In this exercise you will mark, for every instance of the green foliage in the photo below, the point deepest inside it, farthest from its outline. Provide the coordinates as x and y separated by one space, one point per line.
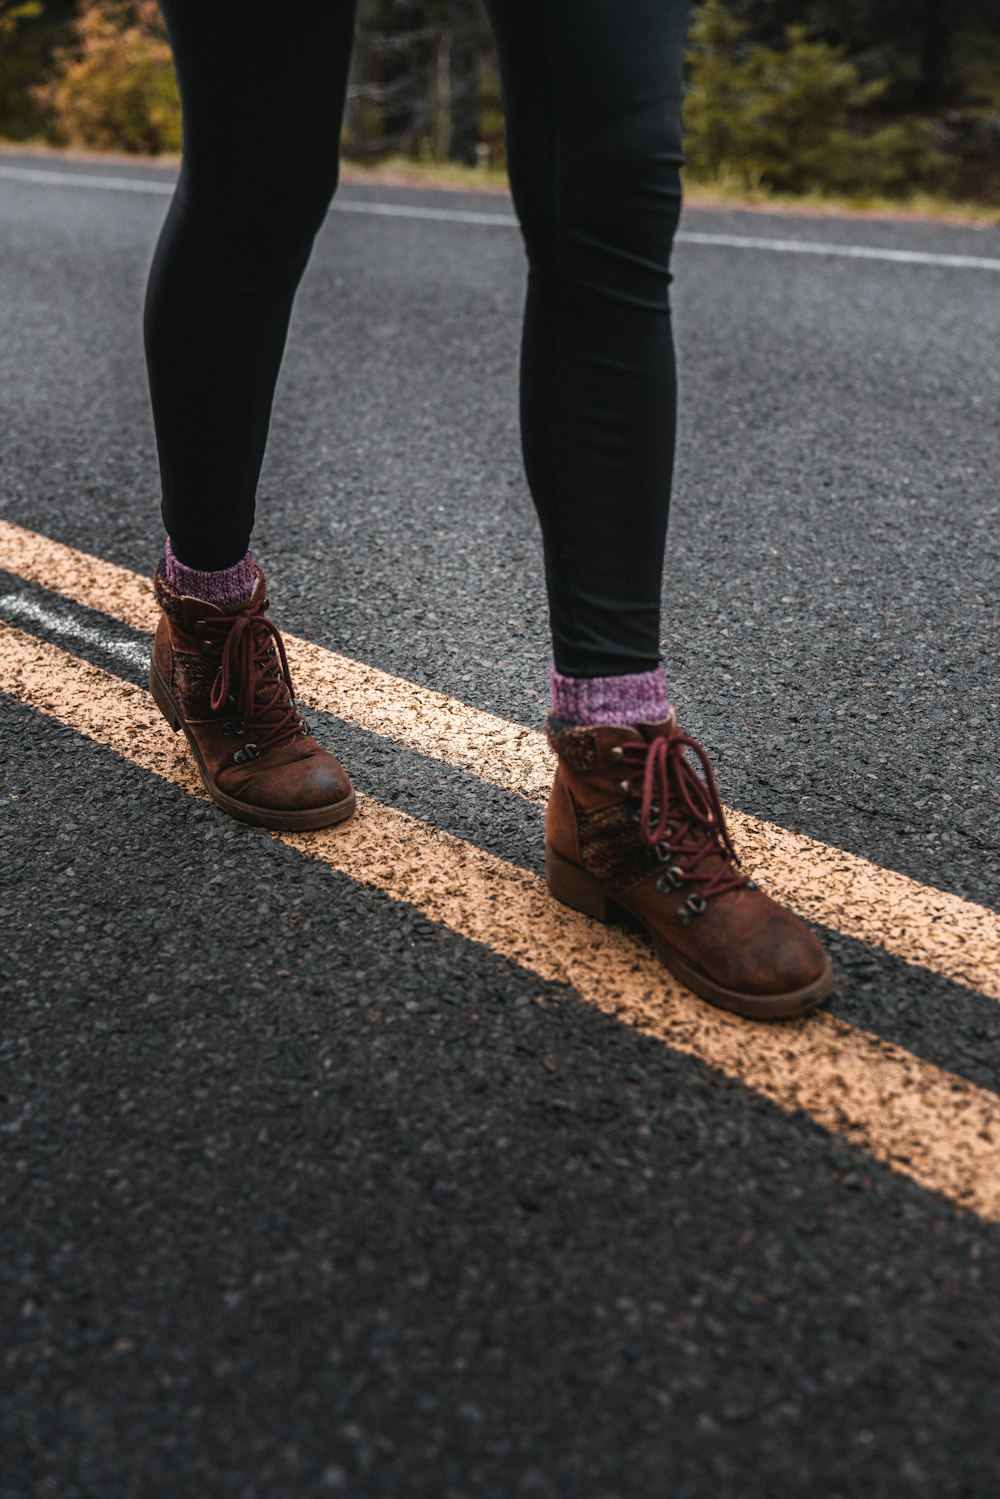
784 117
769 107
977 64
27 37
13 13
20 61
113 87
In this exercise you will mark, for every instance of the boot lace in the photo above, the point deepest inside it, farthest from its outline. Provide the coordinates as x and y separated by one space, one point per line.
682 817
250 642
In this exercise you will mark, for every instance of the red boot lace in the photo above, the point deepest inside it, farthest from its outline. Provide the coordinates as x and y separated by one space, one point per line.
250 639
682 815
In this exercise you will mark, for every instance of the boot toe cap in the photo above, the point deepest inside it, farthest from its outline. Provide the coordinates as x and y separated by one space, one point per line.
777 955
303 784
316 782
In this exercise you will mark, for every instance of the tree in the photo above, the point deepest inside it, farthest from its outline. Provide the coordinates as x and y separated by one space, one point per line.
421 80
113 87
29 31
786 117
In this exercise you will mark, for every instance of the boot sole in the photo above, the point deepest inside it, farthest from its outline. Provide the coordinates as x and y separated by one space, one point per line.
261 817
574 887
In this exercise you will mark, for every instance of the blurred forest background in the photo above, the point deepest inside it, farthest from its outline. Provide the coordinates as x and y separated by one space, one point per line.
864 99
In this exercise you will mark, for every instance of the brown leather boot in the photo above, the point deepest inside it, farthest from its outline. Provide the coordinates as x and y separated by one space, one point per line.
221 675
631 824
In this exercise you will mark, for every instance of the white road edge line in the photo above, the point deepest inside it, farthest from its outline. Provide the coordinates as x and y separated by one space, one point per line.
59 624
824 248
85 179
847 252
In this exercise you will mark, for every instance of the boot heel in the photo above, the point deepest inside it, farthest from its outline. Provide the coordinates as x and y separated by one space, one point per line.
574 886
162 700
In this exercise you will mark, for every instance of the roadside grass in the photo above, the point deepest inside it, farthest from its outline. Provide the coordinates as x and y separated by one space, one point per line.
916 205
402 171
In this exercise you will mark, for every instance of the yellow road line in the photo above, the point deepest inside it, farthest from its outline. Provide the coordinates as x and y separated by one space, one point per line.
884 909
940 1130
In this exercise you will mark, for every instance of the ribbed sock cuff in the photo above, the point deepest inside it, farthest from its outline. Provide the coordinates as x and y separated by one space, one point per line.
639 697
226 586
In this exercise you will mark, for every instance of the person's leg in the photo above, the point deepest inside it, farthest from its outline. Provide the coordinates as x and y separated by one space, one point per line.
262 92
592 95
592 99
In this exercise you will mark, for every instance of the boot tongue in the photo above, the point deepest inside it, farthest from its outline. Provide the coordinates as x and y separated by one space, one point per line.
651 731
193 608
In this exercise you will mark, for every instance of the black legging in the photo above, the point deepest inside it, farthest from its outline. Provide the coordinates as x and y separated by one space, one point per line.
592 97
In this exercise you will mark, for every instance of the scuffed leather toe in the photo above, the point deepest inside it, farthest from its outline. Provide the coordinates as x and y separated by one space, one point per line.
767 951
294 778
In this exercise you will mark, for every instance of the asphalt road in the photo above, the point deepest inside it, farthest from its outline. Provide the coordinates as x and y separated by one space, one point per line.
306 1193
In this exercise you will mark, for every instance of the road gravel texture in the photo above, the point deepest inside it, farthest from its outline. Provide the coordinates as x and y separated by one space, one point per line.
306 1194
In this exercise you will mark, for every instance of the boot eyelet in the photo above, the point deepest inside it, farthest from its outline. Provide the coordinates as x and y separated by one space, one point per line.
616 753
670 879
248 752
693 906
626 787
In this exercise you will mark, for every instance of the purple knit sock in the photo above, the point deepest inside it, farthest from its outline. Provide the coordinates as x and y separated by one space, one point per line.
226 586
639 697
